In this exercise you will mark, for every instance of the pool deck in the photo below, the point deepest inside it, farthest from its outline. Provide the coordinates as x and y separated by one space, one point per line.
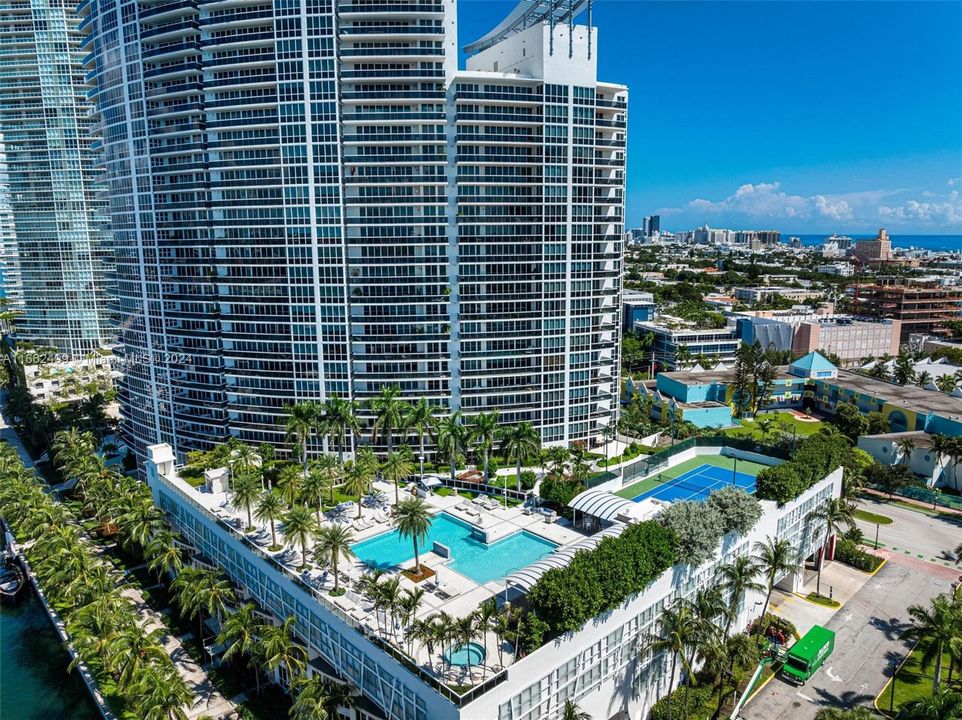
449 590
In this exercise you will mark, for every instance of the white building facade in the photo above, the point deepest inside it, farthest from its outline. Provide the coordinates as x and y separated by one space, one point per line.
310 199
601 667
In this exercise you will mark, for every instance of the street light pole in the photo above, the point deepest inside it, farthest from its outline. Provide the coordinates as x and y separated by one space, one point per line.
735 471
876 536
895 669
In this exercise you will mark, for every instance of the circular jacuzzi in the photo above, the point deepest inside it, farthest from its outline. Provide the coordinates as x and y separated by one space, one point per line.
468 654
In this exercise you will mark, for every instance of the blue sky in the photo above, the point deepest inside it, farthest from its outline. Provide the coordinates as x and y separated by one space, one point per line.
803 117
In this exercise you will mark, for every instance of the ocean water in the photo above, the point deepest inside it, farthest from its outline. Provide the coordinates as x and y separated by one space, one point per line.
925 242
34 683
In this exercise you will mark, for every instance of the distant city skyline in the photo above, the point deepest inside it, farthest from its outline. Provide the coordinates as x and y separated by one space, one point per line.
848 117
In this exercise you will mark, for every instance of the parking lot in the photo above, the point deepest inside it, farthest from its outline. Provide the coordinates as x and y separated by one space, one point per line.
867 646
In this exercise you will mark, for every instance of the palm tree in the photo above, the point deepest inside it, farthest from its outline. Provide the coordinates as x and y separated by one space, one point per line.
573 712
422 422
739 650
358 478
682 357
923 378
277 647
905 446
239 635
397 466
299 525
958 554
709 604
943 704
903 373
522 441
933 628
162 694
946 383
482 432
302 420
319 699
738 578
390 413
136 646
270 508
290 483
412 520
834 513
329 471
244 495
243 460
340 418
333 543
315 487
162 553
452 437
677 630
774 559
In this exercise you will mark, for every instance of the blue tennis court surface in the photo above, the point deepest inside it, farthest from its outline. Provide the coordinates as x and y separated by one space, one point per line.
697 484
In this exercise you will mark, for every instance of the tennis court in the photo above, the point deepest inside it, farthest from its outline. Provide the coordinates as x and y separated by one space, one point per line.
696 484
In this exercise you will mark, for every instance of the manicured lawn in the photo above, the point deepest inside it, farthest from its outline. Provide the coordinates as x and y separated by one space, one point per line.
722 461
914 683
871 517
822 600
786 422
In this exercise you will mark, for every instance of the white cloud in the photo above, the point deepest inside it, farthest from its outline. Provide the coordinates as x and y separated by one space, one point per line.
768 201
754 204
955 181
937 213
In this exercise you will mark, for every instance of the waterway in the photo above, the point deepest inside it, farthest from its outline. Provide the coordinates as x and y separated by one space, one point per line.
34 683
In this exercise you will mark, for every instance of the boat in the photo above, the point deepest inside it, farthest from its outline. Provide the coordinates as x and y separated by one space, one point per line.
12 582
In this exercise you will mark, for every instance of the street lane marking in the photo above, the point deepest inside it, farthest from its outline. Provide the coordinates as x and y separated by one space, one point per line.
832 676
805 697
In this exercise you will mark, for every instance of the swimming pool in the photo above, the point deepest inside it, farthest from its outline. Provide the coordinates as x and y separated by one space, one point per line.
469 556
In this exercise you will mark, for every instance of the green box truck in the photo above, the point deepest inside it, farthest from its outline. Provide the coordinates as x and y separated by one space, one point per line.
807 655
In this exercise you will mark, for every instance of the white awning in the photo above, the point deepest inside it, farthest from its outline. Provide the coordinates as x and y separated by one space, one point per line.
600 504
525 578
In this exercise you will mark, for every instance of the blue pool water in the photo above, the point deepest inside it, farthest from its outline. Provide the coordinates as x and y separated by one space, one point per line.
470 557
465 655
698 483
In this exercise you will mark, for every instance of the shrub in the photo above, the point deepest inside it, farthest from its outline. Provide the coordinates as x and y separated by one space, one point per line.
738 510
768 621
596 581
848 553
528 479
816 457
854 534
559 491
698 528
699 698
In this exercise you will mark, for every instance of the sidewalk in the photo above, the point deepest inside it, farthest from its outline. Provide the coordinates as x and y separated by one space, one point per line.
911 501
838 579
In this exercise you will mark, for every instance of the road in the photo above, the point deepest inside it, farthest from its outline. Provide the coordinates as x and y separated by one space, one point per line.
931 537
867 640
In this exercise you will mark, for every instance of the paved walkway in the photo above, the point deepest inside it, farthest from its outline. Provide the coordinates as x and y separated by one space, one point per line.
912 533
209 701
838 580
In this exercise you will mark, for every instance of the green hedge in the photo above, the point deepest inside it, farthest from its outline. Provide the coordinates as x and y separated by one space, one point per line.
596 581
816 457
849 553
699 698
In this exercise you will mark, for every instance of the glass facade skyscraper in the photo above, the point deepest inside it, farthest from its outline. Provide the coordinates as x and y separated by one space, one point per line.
54 193
310 199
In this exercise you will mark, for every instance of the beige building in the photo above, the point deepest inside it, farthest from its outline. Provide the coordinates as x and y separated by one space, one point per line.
877 250
851 339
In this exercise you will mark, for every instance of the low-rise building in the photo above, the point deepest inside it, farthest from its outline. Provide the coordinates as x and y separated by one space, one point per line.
671 334
890 449
757 295
637 306
842 269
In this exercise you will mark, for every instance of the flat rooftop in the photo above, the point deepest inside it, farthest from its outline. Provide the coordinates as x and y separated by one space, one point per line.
928 401
687 377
